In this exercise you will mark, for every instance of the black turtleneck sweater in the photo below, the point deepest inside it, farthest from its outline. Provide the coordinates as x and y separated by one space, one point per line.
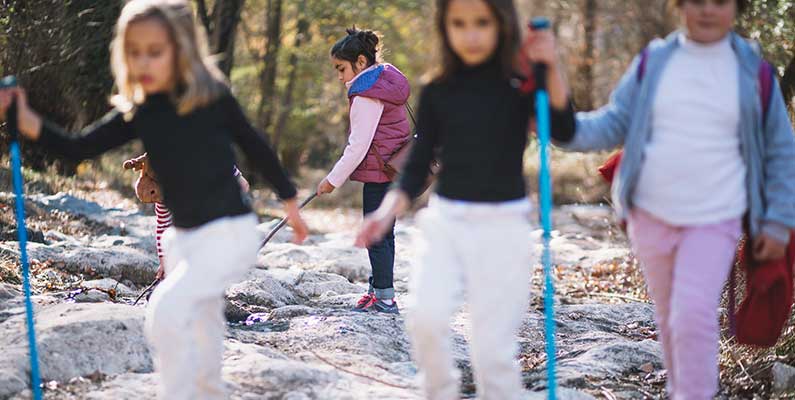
190 154
476 122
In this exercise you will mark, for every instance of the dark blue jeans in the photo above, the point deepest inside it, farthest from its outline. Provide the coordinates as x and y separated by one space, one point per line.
382 254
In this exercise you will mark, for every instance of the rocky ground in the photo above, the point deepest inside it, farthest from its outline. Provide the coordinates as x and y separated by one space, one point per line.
291 334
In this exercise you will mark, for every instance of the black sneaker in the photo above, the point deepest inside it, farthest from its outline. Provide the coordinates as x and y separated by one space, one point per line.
380 306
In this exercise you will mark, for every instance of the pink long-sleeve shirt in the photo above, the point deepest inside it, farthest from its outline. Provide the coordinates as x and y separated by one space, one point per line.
364 115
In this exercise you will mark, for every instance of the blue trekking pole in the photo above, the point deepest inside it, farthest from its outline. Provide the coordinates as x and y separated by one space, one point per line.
16 170
545 200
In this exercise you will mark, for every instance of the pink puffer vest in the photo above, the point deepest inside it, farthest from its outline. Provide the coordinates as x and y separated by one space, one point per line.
387 84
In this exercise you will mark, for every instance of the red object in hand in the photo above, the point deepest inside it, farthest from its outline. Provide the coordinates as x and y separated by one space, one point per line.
768 299
608 169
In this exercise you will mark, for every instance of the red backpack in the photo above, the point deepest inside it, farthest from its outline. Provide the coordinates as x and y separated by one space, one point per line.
768 297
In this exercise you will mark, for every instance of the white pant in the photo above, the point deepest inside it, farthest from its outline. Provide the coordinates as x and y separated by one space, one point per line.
485 251
184 320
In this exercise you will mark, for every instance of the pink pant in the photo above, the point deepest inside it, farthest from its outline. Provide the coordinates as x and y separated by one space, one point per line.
685 269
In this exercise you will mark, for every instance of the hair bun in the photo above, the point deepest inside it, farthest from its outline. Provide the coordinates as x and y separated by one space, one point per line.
368 38
357 42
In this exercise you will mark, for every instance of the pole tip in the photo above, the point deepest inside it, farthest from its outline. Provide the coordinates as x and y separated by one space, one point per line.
8 82
539 23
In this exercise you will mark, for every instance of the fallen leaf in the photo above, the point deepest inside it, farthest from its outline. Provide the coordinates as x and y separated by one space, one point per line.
647 368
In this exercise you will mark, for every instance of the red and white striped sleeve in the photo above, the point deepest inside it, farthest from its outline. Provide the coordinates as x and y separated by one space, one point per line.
163 222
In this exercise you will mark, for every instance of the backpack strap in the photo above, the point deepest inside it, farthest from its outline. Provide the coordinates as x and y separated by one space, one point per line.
411 114
372 150
644 57
765 77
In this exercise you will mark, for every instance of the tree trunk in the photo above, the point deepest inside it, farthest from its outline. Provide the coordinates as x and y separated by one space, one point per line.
269 64
287 104
788 84
589 55
204 17
226 16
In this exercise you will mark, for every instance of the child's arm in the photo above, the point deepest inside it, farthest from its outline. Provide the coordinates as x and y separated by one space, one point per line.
256 149
241 180
415 172
607 127
109 132
779 185
364 116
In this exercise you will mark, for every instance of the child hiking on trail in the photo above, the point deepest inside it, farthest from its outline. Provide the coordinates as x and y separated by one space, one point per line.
377 95
176 101
702 153
476 230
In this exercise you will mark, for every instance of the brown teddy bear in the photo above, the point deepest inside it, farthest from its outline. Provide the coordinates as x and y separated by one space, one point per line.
146 187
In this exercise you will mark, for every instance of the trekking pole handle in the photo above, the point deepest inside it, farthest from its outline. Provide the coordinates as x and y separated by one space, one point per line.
7 83
540 69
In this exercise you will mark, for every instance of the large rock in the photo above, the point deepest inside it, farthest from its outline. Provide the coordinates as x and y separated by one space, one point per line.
610 360
256 372
8 291
120 263
131 226
274 288
256 375
260 288
783 378
347 261
314 284
595 341
74 340
129 386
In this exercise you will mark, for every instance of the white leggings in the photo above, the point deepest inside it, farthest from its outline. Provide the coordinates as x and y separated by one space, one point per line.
482 250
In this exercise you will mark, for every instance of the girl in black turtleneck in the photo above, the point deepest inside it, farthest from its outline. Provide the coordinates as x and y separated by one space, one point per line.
476 230
173 98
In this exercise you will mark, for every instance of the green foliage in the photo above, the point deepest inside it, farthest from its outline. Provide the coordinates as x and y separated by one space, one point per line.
772 23
316 129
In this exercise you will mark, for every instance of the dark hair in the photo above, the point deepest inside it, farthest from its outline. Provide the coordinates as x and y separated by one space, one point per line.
742 5
357 42
507 45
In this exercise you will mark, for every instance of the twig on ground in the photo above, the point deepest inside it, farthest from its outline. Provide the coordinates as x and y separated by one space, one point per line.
742 367
147 290
607 393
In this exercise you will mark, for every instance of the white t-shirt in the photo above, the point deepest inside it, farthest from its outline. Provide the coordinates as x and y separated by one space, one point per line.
693 171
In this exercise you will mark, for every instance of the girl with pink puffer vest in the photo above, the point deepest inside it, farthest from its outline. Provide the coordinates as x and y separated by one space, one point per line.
377 95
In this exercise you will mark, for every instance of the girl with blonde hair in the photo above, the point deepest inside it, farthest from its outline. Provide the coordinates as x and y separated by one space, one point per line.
173 98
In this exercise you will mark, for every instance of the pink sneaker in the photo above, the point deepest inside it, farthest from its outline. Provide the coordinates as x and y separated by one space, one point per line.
366 301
